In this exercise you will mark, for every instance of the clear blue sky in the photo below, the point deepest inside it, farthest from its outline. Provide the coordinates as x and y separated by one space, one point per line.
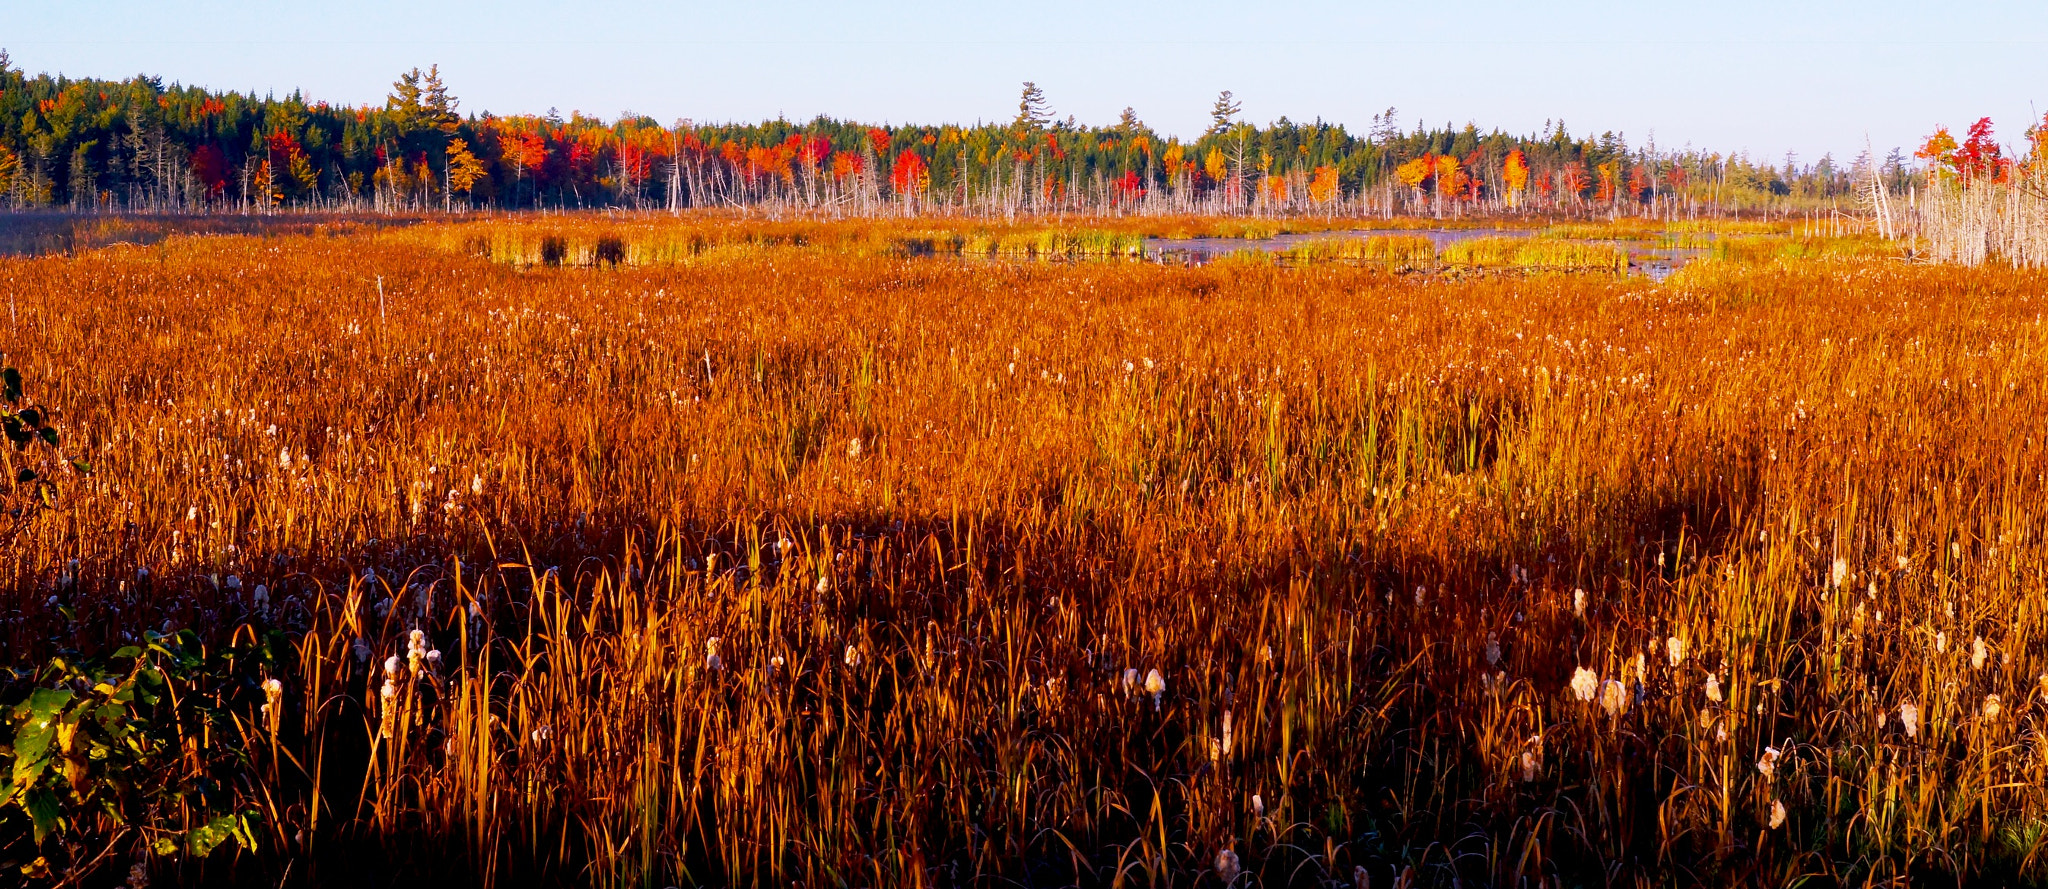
1731 75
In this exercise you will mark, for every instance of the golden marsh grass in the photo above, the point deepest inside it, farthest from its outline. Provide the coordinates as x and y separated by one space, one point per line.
793 564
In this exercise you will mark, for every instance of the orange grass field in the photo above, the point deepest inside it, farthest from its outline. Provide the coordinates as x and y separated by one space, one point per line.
790 561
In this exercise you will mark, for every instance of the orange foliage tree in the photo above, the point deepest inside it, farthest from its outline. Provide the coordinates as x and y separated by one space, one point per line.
1322 186
1451 178
1515 176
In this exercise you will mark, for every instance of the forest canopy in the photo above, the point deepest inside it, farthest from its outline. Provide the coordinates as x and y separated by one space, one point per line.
144 145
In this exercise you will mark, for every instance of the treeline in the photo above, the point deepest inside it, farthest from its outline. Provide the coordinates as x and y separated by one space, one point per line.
142 145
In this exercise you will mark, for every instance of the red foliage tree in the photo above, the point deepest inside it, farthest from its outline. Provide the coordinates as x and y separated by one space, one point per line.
1980 157
908 175
210 167
1128 187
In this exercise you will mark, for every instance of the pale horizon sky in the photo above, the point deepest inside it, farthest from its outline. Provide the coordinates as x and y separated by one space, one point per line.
1744 75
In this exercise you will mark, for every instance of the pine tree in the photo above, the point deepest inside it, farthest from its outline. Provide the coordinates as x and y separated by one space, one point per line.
1224 114
419 102
1032 111
1128 123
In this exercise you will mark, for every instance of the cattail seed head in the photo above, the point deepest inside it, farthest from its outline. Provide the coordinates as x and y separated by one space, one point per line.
1227 866
1713 688
1979 653
1674 650
1613 698
1585 683
1579 603
1840 572
1777 814
1768 763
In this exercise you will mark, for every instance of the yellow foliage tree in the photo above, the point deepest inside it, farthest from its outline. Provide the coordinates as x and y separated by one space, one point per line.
465 170
305 179
9 167
1214 164
1414 173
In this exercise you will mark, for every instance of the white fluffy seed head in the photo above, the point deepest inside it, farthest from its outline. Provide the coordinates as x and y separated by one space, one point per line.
1613 697
1585 684
1768 763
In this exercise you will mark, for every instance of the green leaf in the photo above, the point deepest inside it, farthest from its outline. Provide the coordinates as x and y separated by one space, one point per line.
201 841
49 435
165 847
25 476
44 810
46 702
12 379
